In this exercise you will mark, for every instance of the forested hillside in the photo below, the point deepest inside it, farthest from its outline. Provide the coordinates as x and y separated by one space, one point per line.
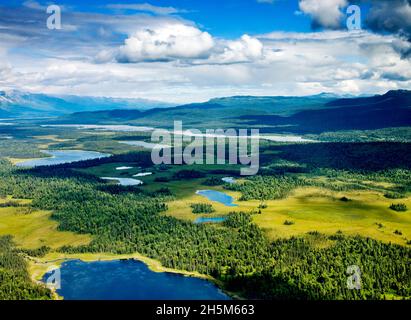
300 115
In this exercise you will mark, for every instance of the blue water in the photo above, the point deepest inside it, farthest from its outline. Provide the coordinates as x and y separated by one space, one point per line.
210 220
129 280
124 181
62 156
217 196
229 180
143 144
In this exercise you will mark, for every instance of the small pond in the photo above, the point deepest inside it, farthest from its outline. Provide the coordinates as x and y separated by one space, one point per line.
229 180
217 196
124 181
210 220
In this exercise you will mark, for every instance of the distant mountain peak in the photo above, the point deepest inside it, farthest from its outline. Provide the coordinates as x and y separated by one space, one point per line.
398 92
15 103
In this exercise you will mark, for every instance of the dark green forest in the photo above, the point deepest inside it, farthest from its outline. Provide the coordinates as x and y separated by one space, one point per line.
15 282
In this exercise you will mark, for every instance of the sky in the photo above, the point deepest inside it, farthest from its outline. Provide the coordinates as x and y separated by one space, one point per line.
183 51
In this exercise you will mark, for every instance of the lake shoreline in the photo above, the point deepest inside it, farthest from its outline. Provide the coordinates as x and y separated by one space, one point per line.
38 267
58 157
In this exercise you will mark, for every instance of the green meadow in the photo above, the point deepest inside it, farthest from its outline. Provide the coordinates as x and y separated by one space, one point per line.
35 229
365 213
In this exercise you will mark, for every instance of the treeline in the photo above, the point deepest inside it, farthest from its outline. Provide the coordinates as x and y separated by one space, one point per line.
400 178
237 219
15 282
141 158
198 208
370 157
302 272
267 187
385 134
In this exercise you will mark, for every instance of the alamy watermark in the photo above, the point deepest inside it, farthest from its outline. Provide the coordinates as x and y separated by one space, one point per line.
215 146
54 20
353 22
354 18
354 279
53 280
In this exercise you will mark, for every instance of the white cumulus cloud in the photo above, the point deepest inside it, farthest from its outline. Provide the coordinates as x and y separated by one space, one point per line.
246 49
325 13
185 43
166 42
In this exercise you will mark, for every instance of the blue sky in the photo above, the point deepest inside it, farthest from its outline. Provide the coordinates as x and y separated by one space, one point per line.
191 50
227 18
233 18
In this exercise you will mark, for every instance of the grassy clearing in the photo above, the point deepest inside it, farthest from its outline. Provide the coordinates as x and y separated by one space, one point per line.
310 209
15 161
180 188
36 229
314 209
181 208
50 138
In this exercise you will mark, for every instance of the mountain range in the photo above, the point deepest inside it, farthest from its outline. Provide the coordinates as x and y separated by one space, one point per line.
278 114
21 104
302 115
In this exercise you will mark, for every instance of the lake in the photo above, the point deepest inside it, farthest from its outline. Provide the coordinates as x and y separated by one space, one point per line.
62 156
125 181
143 144
210 220
274 138
129 280
217 196
114 128
128 128
229 180
285 138
143 174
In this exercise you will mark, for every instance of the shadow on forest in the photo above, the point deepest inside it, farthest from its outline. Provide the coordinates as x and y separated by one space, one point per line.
373 156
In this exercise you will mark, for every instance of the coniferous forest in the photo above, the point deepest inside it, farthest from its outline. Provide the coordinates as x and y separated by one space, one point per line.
15 282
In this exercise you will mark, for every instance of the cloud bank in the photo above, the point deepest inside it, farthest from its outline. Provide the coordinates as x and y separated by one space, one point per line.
187 44
164 43
324 13
146 7
168 58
